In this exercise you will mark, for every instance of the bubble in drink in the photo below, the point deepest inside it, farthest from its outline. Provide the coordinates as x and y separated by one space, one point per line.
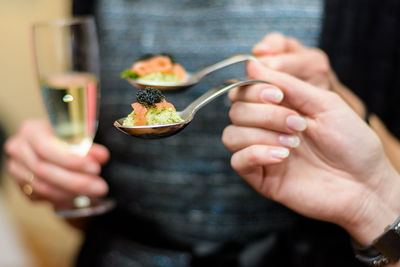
68 98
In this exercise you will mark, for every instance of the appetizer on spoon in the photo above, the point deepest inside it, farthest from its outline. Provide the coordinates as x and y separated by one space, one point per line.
163 73
166 121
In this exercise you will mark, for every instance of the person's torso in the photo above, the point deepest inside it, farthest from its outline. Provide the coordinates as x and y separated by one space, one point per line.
184 184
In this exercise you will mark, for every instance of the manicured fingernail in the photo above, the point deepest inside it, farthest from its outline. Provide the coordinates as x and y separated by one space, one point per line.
296 123
272 95
98 188
92 168
289 140
279 153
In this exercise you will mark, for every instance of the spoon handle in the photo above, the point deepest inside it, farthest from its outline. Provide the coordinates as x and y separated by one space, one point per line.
213 93
222 64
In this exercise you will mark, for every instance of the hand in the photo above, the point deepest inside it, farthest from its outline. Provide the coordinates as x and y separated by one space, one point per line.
286 54
58 175
338 173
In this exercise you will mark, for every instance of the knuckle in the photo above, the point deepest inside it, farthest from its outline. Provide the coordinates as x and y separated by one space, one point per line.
267 118
234 111
232 94
324 65
295 42
41 147
10 147
228 137
26 127
235 162
40 169
253 155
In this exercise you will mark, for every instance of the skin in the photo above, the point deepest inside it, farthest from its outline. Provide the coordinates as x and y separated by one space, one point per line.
338 173
285 54
59 175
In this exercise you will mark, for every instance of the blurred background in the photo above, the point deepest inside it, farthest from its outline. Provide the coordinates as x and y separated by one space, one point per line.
31 235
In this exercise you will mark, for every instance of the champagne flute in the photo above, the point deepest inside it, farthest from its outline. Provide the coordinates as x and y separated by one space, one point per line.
67 63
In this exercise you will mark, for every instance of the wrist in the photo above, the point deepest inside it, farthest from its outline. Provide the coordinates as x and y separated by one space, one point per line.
384 250
376 205
380 206
372 224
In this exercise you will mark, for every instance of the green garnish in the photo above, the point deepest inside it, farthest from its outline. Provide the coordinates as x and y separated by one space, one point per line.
128 73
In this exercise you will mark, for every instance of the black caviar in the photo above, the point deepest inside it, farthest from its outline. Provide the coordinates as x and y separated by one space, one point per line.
149 97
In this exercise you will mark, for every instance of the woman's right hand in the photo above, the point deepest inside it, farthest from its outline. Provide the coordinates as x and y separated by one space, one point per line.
37 158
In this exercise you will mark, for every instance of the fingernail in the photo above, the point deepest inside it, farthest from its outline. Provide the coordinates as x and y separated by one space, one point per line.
279 153
289 140
98 188
296 123
92 168
272 95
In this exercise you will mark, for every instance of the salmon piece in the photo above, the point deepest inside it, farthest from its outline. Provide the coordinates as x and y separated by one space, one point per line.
160 64
179 71
142 68
165 104
140 111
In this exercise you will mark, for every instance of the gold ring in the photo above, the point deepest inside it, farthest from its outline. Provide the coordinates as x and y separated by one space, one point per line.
27 188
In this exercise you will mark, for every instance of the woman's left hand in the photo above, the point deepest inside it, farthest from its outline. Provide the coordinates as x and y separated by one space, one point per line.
286 54
339 172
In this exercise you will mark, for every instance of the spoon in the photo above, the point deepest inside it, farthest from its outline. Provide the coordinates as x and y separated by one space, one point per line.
192 78
160 131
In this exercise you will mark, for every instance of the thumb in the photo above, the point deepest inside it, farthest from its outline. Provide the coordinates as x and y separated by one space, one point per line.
299 95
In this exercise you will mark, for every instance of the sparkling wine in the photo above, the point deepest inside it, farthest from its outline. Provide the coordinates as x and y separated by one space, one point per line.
71 102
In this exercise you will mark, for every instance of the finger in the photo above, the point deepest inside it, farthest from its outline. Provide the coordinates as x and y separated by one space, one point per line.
299 95
294 45
75 182
247 161
293 64
273 43
35 140
266 116
99 153
303 64
19 150
41 189
50 149
236 138
258 93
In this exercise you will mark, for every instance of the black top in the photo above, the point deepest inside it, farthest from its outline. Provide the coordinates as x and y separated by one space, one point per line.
362 40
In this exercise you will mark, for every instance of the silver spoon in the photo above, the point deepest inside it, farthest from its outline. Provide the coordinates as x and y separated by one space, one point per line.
160 131
192 78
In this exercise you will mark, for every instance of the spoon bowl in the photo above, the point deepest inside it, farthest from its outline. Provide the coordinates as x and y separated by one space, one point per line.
161 131
191 78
